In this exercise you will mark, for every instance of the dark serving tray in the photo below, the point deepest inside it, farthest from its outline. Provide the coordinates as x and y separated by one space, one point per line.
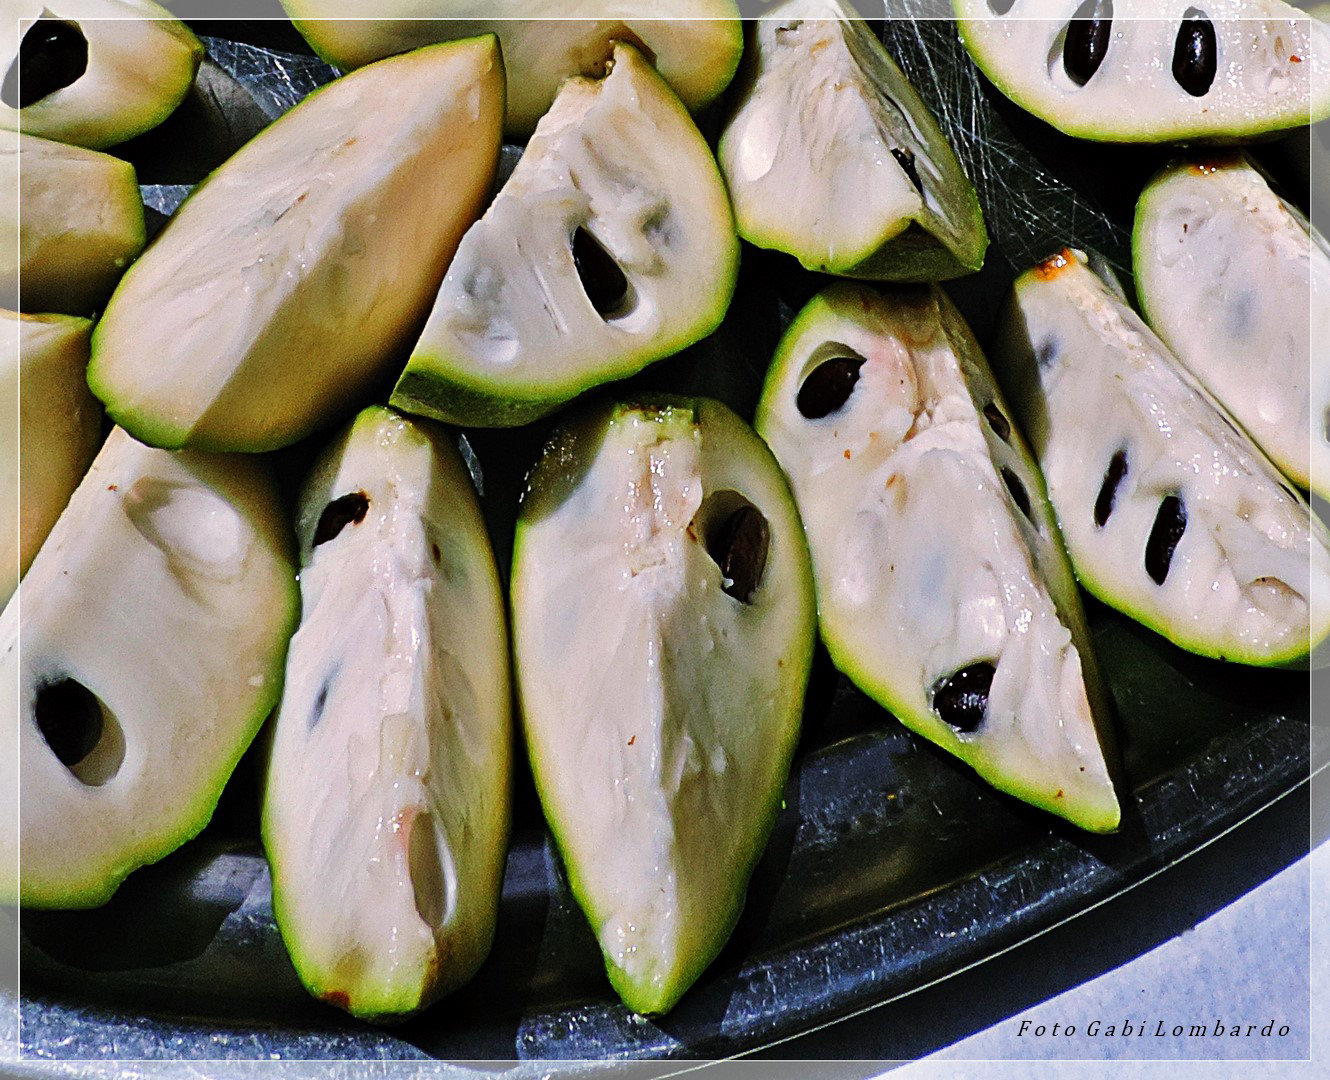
891 866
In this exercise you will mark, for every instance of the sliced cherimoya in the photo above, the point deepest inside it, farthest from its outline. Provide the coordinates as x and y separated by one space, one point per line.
289 280
46 403
79 224
155 622
1231 277
611 245
386 812
1170 512
694 44
943 588
663 623
1152 71
832 156
92 72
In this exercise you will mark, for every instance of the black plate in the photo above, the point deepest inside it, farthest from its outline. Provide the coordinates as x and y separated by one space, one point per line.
891 866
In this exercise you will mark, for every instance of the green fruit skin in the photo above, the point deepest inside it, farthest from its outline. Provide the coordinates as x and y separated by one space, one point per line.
1233 134
644 999
1295 659
923 723
96 893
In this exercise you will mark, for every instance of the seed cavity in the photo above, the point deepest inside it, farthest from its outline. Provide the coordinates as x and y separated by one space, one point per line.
1000 424
431 871
961 700
338 514
52 55
1019 495
905 159
1108 490
829 385
1170 524
83 735
737 536
1195 53
602 280
1087 39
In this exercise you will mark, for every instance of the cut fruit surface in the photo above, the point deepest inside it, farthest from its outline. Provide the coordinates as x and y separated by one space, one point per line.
80 224
287 283
1146 71
1171 513
694 44
386 811
92 72
47 405
611 246
884 415
155 622
832 156
1231 278
663 624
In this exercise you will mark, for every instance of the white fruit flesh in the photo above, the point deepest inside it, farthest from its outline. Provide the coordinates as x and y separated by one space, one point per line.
166 590
1266 52
286 283
514 332
386 812
813 152
1226 272
910 591
1092 380
695 44
48 406
80 224
141 63
660 711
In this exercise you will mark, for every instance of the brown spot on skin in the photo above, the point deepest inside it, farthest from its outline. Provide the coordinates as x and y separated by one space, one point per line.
1051 267
1295 59
632 740
1057 794
847 455
340 998
436 553
112 487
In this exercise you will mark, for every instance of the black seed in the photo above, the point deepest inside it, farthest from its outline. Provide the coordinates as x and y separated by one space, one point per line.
1000 424
1087 40
1019 495
70 719
1170 524
53 55
905 159
1195 54
739 547
338 514
962 699
1000 7
1108 491
829 386
1326 433
605 285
